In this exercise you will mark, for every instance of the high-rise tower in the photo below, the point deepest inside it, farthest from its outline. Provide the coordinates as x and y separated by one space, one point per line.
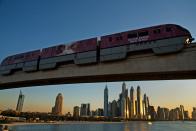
20 102
146 104
85 110
124 102
114 109
57 109
76 111
181 113
139 104
123 89
106 101
132 103
123 108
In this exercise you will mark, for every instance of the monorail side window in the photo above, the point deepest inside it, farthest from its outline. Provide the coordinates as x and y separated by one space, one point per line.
144 33
168 29
19 56
28 55
157 31
119 38
110 39
134 35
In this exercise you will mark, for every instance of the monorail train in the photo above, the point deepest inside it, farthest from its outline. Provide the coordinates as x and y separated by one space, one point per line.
161 39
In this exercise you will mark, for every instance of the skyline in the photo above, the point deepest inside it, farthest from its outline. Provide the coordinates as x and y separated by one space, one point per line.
33 104
34 24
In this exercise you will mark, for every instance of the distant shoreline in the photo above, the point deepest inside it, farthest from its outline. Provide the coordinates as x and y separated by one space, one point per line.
59 123
78 122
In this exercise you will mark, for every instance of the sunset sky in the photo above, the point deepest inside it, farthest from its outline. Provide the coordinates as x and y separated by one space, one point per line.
27 25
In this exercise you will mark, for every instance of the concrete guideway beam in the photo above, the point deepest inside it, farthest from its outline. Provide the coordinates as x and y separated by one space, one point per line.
146 66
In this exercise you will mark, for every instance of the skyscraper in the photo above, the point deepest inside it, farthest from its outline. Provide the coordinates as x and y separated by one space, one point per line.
76 112
143 110
20 102
136 109
106 101
109 109
194 113
99 112
139 104
85 110
123 89
146 104
123 108
163 113
177 113
57 109
127 104
132 103
186 115
119 104
181 114
88 109
127 107
152 113
124 101
118 107
114 109
171 115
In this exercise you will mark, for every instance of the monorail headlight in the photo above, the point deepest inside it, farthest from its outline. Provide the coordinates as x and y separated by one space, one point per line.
187 41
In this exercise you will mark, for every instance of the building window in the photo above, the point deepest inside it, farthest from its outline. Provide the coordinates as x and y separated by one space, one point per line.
134 35
144 33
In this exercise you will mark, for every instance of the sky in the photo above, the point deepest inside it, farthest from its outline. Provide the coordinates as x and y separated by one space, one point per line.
27 25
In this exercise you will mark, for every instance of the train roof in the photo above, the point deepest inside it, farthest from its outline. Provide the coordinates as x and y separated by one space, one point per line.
145 28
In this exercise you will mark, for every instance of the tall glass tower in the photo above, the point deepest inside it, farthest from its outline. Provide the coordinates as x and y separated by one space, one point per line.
106 101
139 104
146 106
132 103
124 101
20 102
123 108
123 89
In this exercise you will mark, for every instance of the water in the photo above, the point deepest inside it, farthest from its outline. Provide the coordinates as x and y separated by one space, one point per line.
126 126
